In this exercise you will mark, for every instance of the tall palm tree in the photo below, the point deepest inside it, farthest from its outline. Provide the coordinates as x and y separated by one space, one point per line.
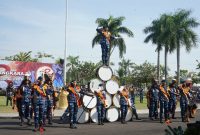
115 27
154 32
184 34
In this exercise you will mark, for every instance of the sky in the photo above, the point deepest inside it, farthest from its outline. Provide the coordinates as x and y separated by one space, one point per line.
39 25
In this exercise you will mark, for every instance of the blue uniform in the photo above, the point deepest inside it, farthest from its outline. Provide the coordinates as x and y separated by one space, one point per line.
164 102
39 106
132 99
105 47
26 102
184 101
124 107
154 99
50 103
101 107
141 95
172 100
73 106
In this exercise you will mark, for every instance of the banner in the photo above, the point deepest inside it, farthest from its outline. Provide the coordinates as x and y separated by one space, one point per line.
15 70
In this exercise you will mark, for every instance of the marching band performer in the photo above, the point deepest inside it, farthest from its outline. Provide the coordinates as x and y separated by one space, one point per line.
173 98
101 104
105 43
74 102
51 102
39 96
124 103
132 99
26 92
153 100
164 101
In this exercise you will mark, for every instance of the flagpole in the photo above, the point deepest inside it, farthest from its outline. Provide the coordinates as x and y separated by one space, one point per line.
65 50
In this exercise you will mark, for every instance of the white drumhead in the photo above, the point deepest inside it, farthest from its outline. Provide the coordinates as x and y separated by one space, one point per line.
105 73
108 100
116 100
112 87
94 115
84 117
92 100
121 88
94 84
129 115
112 114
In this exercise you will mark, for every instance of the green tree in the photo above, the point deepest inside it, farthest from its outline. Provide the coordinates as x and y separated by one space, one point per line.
22 56
115 27
182 34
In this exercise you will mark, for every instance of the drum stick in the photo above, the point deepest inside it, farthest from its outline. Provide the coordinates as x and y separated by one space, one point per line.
84 109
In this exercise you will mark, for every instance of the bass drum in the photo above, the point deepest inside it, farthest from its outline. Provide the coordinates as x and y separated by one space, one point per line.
94 84
112 87
84 117
89 102
94 115
105 73
112 114
108 100
129 114
116 100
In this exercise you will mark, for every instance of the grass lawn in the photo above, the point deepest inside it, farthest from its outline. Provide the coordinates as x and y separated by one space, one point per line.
3 107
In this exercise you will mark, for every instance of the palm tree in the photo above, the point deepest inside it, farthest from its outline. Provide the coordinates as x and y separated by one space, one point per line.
160 34
22 56
73 63
183 34
154 32
126 65
115 27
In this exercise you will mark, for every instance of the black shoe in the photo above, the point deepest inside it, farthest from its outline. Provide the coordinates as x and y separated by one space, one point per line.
21 124
151 118
99 123
138 119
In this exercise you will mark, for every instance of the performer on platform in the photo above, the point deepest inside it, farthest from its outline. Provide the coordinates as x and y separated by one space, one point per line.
153 100
173 98
101 104
105 44
124 103
39 97
164 102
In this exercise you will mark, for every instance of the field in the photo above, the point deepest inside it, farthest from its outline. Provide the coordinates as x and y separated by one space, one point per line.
7 109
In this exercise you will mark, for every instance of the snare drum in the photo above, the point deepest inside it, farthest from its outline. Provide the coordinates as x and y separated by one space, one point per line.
112 87
112 114
105 73
94 115
108 100
116 100
94 84
84 117
89 102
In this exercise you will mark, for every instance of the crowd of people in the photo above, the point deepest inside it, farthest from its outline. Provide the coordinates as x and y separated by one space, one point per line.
166 98
38 100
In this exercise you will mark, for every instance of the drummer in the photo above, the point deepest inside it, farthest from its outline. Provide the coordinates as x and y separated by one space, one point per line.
74 102
101 104
124 96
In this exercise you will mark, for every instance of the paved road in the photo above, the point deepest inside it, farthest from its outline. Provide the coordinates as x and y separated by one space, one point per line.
9 126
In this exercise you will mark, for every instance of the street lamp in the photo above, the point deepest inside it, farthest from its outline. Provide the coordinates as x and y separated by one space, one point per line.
65 50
